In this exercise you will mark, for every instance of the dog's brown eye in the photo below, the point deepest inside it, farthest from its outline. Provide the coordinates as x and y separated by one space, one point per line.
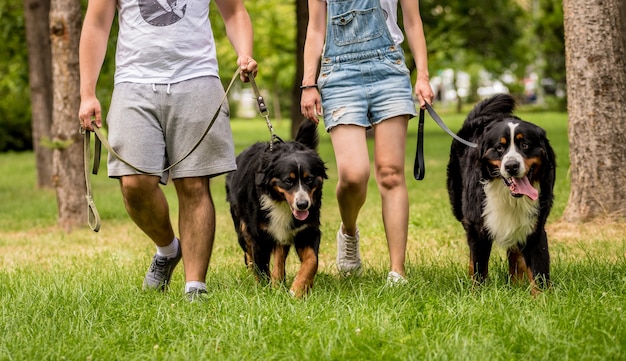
288 181
524 146
308 180
499 148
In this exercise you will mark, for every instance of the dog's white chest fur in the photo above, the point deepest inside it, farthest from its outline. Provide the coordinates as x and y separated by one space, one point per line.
509 220
281 220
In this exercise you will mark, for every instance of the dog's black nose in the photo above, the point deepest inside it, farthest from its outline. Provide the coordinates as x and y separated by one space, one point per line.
302 204
511 167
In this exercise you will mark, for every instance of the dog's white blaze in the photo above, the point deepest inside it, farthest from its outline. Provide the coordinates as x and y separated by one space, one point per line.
508 219
512 154
281 220
301 194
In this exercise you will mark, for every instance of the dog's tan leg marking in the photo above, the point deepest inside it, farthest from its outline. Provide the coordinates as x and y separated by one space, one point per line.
535 290
477 278
518 270
306 275
248 253
517 265
280 257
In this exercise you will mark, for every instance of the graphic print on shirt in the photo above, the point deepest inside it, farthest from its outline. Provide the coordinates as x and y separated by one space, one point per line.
162 12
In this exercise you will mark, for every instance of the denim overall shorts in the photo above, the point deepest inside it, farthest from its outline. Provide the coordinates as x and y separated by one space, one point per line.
363 76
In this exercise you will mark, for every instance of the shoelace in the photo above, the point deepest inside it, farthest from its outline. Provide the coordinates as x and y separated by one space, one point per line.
351 248
159 264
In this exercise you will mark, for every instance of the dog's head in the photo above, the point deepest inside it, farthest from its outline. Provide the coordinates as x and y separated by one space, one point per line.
295 175
516 151
293 172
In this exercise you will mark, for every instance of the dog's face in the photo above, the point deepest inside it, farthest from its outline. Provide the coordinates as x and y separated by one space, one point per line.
297 178
515 151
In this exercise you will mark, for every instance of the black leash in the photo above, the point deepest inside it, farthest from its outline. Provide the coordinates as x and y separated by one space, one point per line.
419 169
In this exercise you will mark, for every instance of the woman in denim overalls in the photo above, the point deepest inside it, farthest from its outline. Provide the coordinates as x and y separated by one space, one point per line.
364 83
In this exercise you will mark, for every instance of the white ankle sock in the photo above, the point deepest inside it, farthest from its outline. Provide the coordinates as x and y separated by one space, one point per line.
170 250
195 284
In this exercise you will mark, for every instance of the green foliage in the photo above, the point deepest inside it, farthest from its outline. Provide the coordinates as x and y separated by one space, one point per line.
274 24
550 35
16 131
461 33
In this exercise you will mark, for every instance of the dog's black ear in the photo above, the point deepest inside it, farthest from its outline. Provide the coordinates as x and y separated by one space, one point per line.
486 154
547 148
307 134
259 179
262 173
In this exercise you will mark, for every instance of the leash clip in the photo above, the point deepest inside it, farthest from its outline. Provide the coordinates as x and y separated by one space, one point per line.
263 111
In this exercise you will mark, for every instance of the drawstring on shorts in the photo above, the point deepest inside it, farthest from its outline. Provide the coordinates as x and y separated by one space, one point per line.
167 91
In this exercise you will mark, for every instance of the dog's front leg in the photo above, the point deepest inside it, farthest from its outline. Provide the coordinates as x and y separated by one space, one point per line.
306 275
280 257
480 249
537 259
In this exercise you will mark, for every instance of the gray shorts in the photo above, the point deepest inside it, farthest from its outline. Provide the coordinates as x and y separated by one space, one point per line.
154 125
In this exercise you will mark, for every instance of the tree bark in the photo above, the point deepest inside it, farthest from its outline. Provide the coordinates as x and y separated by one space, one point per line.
596 88
68 167
36 13
302 21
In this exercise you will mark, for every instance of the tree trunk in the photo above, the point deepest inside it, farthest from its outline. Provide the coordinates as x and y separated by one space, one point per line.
596 89
68 168
302 21
36 14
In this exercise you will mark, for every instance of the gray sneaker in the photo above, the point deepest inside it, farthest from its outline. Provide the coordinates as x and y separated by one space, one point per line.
160 272
197 295
348 254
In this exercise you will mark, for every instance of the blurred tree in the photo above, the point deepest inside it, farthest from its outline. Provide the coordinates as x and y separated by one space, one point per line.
36 14
595 49
67 156
302 21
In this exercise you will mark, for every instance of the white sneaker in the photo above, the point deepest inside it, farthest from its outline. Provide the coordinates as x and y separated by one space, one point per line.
348 254
395 279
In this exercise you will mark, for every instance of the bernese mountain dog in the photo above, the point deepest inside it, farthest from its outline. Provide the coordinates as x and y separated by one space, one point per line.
502 191
275 197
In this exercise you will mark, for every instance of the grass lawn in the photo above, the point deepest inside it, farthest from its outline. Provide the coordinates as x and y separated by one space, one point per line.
77 296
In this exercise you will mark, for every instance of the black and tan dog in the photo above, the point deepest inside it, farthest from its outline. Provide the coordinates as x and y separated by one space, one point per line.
502 191
275 198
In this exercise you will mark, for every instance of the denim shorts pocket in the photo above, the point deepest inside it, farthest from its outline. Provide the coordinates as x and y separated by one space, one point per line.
355 27
325 73
396 60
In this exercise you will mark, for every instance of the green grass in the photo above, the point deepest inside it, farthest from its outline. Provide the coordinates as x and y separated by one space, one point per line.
77 296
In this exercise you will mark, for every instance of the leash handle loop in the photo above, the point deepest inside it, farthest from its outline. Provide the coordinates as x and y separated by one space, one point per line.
419 168
93 217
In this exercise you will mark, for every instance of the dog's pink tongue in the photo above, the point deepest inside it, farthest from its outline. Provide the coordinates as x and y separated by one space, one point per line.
300 215
522 186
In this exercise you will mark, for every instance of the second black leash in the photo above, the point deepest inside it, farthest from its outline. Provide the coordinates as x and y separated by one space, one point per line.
419 168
